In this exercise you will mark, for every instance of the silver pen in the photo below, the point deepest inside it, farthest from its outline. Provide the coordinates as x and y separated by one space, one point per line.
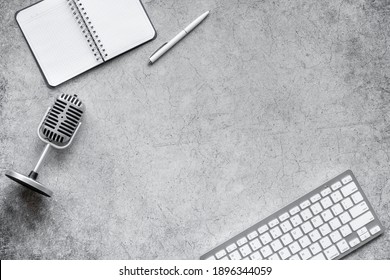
168 45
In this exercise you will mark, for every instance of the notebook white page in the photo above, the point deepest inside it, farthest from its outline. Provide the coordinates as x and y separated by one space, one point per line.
56 40
120 24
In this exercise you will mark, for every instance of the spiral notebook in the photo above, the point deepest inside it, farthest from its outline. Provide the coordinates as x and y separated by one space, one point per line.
69 37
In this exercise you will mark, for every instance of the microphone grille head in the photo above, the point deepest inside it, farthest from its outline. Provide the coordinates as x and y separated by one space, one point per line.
62 120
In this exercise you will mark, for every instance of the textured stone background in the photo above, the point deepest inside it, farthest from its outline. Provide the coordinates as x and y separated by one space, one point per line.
262 103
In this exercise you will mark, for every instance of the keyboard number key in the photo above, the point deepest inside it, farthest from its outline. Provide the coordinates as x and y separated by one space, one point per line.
276 232
235 255
286 226
306 214
296 220
336 196
347 203
255 244
245 250
316 208
265 238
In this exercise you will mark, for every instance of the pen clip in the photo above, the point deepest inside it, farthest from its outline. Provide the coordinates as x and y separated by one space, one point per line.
159 49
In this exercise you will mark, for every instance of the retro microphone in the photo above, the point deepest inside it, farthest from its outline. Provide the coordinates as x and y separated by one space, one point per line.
57 129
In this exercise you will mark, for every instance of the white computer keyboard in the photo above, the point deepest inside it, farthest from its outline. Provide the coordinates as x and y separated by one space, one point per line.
327 223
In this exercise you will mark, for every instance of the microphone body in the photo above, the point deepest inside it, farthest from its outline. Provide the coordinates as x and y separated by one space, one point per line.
57 129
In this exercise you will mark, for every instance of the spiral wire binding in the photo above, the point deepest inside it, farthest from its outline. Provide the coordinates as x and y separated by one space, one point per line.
88 29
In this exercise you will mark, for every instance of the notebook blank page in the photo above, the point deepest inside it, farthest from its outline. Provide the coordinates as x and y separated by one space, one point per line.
120 24
56 40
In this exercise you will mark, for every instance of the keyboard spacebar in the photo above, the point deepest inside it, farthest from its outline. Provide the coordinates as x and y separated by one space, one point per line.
320 256
362 220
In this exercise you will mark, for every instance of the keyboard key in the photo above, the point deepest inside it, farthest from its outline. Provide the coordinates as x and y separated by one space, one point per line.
361 231
286 226
332 252
294 257
335 223
335 236
327 215
337 209
296 220
284 216
304 205
307 227
294 247
211 258
345 218
354 242
255 244
306 214
294 210
316 221
343 246
304 241
358 209
305 254
346 180
325 229
325 242
315 235
256 256
276 245
252 235
274 257
315 248
235 255
345 230
266 251
296 233
349 189
320 256
231 247
361 220
273 223
315 198
375 230
245 250
220 254
265 238
336 186
242 241
347 203
284 253
325 192
286 239
262 229
275 232
326 202
336 196
364 236
224 258
316 208
357 197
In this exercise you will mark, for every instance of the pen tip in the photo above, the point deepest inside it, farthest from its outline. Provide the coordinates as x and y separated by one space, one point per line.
150 62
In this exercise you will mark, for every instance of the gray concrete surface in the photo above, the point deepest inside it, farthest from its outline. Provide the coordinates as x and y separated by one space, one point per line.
262 103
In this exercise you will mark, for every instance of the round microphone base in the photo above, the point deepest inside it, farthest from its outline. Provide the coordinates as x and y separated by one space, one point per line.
28 183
